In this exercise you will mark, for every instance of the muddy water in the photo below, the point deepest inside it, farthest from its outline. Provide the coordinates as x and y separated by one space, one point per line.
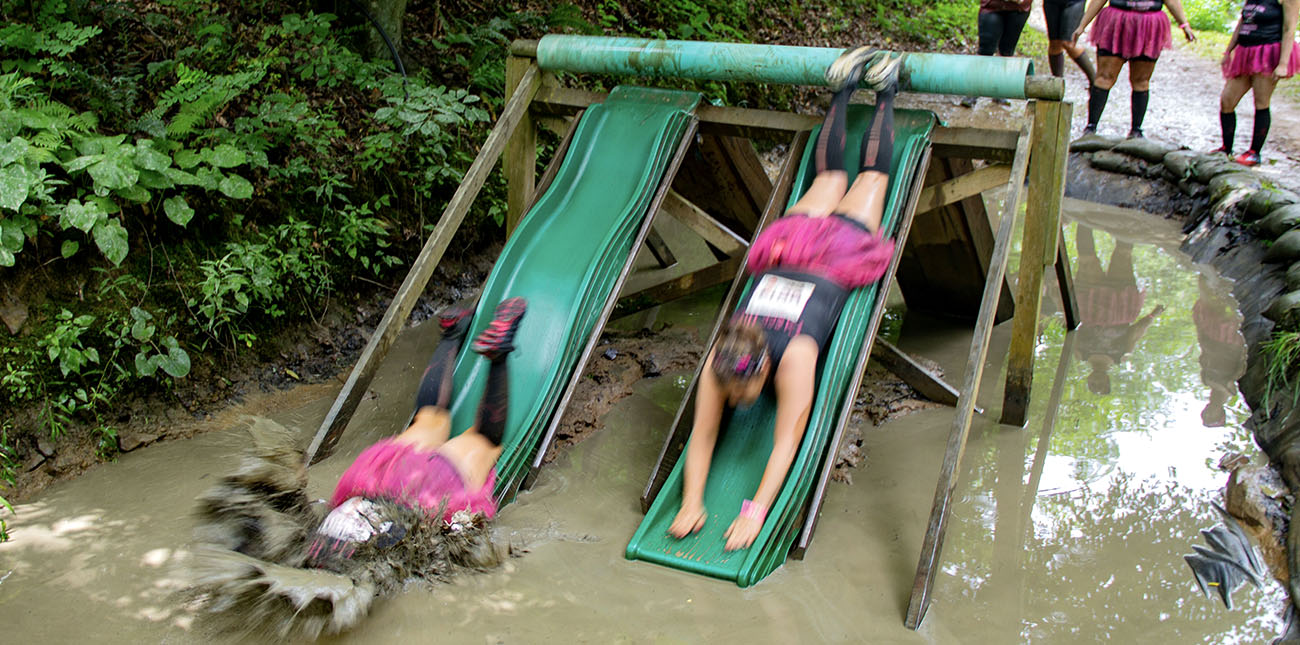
1070 530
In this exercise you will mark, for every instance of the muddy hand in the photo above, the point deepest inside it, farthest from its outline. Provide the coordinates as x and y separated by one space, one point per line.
742 532
690 518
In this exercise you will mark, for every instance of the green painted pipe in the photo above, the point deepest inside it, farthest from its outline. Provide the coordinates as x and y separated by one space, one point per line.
992 76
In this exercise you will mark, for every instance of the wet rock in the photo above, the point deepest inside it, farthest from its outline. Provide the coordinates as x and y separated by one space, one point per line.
128 441
1285 310
1285 249
1222 185
13 312
45 446
1279 221
1253 496
610 354
1116 162
1093 142
1266 200
71 460
1179 164
1145 149
1208 167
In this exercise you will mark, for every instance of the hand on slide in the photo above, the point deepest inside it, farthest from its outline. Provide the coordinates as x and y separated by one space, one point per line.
742 532
689 520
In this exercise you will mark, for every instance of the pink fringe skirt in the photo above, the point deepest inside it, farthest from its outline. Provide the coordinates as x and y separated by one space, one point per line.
1109 306
834 247
425 479
1129 34
1260 59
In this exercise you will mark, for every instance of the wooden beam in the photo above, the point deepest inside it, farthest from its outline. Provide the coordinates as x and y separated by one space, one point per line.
681 428
1038 250
913 373
421 269
653 295
748 167
1065 281
703 224
975 143
969 185
659 248
936 529
520 163
553 167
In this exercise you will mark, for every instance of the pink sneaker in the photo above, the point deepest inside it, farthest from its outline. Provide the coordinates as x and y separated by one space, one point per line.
1249 158
498 339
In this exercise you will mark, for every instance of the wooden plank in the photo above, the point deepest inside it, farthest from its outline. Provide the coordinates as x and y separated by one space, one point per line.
653 295
1065 281
1038 250
520 163
975 143
681 428
421 269
913 373
703 224
725 186
962 187
932 546
812 512
659 249
670 173
748 168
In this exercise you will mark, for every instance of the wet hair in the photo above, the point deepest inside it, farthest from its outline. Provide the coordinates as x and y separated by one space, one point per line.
740 353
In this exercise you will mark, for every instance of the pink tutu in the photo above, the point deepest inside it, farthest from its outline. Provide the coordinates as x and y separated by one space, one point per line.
1105 306
398 471
1260 59
835 247
1129 34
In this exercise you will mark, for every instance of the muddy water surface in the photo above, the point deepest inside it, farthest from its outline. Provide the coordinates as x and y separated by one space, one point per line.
1070 530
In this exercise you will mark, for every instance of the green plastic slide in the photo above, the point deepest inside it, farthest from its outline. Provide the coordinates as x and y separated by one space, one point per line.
565 258
744 444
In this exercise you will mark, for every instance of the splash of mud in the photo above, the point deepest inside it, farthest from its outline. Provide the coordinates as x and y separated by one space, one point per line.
252 573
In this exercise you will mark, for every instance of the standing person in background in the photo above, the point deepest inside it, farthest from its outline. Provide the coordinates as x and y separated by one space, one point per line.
1063 18
1261 52
1133 32
1000 24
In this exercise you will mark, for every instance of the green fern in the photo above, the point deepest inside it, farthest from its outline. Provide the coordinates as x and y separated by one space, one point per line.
198 95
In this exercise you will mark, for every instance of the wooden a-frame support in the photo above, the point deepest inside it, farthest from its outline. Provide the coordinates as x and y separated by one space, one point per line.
728 218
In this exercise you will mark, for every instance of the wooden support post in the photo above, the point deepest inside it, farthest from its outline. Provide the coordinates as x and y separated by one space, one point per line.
694 218
520 163
421 269
1065 281
969 185
922 380
657 294
1038 249
659 248
935 531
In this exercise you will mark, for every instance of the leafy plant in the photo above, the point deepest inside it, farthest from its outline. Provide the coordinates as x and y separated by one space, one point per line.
1283 357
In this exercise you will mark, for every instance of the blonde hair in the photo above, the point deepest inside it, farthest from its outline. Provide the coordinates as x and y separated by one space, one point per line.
740 353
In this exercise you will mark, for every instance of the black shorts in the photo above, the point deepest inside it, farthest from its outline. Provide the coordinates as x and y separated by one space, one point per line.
1107 52
1062 18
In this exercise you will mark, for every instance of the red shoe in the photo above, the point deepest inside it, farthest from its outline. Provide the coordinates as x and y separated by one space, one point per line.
497 340
455 319
1249 158
1222 151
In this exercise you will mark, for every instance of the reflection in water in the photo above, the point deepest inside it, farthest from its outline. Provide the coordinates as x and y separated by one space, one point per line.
1077 534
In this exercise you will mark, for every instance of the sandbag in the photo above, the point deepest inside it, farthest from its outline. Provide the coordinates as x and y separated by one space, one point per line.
1285 249
1179 164
1279 221
1234 182
1144 149
1267 200
1285 311
1293 277
1093 142
1115 162
1207 167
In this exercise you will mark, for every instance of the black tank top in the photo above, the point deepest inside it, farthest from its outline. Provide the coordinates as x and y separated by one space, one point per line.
1261 23
789 303
1138 5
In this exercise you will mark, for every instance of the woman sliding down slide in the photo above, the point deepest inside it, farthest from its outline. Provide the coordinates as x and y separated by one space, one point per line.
804 265
412 506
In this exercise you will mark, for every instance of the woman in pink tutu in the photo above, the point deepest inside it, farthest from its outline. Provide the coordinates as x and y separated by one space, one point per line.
1261 52
1133 32
803 265
424 468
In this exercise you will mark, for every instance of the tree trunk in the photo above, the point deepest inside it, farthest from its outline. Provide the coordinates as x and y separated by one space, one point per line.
388 14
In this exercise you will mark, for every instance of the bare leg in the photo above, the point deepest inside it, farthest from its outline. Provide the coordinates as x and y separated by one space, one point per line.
865 200
825 193
709 399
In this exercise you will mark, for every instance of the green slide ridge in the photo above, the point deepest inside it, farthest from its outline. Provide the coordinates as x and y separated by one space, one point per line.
565 258
743 446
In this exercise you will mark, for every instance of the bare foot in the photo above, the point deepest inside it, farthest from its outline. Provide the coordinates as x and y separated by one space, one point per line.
689 520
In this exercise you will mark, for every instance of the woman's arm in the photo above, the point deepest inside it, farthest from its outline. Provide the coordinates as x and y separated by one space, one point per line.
1290 11
1175 8
709 401
795 381
1094 8
1232 42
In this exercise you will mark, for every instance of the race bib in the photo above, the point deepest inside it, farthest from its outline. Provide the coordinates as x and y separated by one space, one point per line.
778 297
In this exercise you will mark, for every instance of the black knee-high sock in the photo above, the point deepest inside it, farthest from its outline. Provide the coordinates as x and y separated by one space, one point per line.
830 141
435 385
1263 119
878 140
1228 124
496 402
1085 63
1096 105
1139 106
1057 63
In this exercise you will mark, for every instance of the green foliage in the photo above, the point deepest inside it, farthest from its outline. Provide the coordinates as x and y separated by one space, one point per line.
953 22
1282 351
1212 15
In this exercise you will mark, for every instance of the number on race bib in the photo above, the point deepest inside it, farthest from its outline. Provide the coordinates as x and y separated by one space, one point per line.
778 297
